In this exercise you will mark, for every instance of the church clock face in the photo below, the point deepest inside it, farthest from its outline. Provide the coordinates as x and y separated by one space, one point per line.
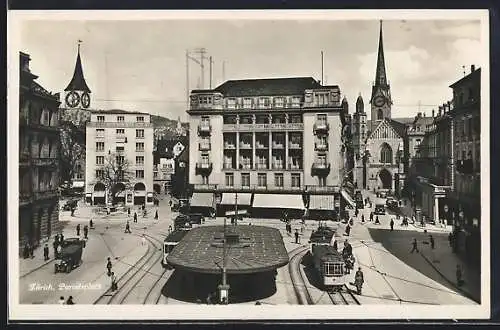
72 99
85 100
379 101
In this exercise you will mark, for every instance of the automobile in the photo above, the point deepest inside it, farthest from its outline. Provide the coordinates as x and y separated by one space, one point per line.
196 218
70 256
379 209
391 203
72 203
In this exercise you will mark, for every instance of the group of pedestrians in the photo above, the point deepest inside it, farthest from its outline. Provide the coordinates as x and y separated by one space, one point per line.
62 301
58 242
85 230
112 276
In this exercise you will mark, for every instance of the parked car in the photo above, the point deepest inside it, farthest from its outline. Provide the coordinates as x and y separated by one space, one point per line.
379 209
391 203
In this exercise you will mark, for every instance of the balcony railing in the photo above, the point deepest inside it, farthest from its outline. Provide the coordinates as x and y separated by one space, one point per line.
229 145
320 169
278 166
294 146
263 127
261 146
278 145
44 161
119 124
321 126
259 188
261 166
321 146
204 146
121 139
325 189
203 168
245 146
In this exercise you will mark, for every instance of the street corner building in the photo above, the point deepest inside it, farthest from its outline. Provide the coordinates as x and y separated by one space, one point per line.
268 144
119 158
38 158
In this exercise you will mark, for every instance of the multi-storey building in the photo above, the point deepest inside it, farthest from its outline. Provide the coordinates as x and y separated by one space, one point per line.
38 158
267 136
120 143
167 155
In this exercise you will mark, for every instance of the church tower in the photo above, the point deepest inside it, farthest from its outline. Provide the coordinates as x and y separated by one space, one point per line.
359 136
380 100
77 93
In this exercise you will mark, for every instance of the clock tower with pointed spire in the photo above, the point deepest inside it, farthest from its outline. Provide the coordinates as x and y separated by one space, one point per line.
381 101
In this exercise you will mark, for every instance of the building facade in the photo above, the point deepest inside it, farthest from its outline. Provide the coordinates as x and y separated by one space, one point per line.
38 159
119 158
167 155
267 136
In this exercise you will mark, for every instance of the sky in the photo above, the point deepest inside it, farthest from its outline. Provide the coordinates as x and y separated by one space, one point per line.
141 65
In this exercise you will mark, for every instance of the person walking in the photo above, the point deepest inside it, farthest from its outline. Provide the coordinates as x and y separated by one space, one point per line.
109 266
415 246
61 301
135 216
431 239
459 274
61 238
55 244
127 228
359 280
169 229
362 218
128 212
296 236
392 224
114 284
348 230
78 230
70 301
59 249
143 240
377 221
371 216
156 215
91 223
46 252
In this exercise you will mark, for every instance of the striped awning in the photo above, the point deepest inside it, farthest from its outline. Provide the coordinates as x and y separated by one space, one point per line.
277 201
202 199
230 198
322 202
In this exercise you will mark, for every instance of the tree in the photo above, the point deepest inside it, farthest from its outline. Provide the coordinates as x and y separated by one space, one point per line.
72 149
115 174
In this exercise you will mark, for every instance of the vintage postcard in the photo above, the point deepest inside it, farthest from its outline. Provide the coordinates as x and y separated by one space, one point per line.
218 165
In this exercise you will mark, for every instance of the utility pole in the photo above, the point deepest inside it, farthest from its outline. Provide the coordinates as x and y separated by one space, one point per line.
202 52
322 68
211 62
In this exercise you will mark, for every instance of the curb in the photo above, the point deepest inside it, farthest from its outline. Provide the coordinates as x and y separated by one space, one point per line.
453 284
36 268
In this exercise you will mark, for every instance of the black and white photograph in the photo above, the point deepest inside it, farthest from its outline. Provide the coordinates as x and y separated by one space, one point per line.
217 165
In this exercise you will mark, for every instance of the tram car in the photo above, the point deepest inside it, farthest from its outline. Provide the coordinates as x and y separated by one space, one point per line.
330 267
170 242
322 236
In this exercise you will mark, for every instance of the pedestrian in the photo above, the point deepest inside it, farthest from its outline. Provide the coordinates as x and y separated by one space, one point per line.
127 228
351 222
359 280
371 216
26 250
362 218
135 216
128 212
85 231
70 301
459 274
59 249
61 301
296 236
302 228
348 247
431 239
169 229
61 238
415 247
156 215
46 252
348 230
143 240
392 224
114 284
91 224
377 221
109 266
55 244
32 250
356 212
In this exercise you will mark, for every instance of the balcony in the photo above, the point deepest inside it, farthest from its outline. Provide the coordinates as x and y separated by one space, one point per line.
261 166
228 166
204 146
278 166
320 169
321 126
203 168
260 146
45 194
294 146
45 162
294 167
204 128
245 166
278 145
263 127
245 145
121 139
321 146
134 124
229 145
253 188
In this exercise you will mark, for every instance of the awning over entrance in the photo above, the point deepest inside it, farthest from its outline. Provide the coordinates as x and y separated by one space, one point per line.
230 198
277 201
202 199
322 202
347 197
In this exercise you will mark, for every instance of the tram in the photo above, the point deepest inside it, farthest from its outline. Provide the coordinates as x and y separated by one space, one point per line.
322 236
330 266
170 242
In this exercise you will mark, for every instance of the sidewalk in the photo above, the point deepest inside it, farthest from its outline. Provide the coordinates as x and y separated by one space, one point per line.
444 261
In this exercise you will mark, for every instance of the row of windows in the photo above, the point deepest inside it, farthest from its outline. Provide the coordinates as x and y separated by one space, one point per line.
139 146
265 119
120 119
261 180
139 133
139 160
139 174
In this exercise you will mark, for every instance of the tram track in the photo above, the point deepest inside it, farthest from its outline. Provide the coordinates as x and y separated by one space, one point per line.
299 283
158 284
344 297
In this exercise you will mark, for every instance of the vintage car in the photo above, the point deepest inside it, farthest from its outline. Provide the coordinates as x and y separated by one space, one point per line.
70 256
379 209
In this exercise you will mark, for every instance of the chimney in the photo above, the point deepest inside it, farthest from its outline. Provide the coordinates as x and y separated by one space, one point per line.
432 113
472 68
